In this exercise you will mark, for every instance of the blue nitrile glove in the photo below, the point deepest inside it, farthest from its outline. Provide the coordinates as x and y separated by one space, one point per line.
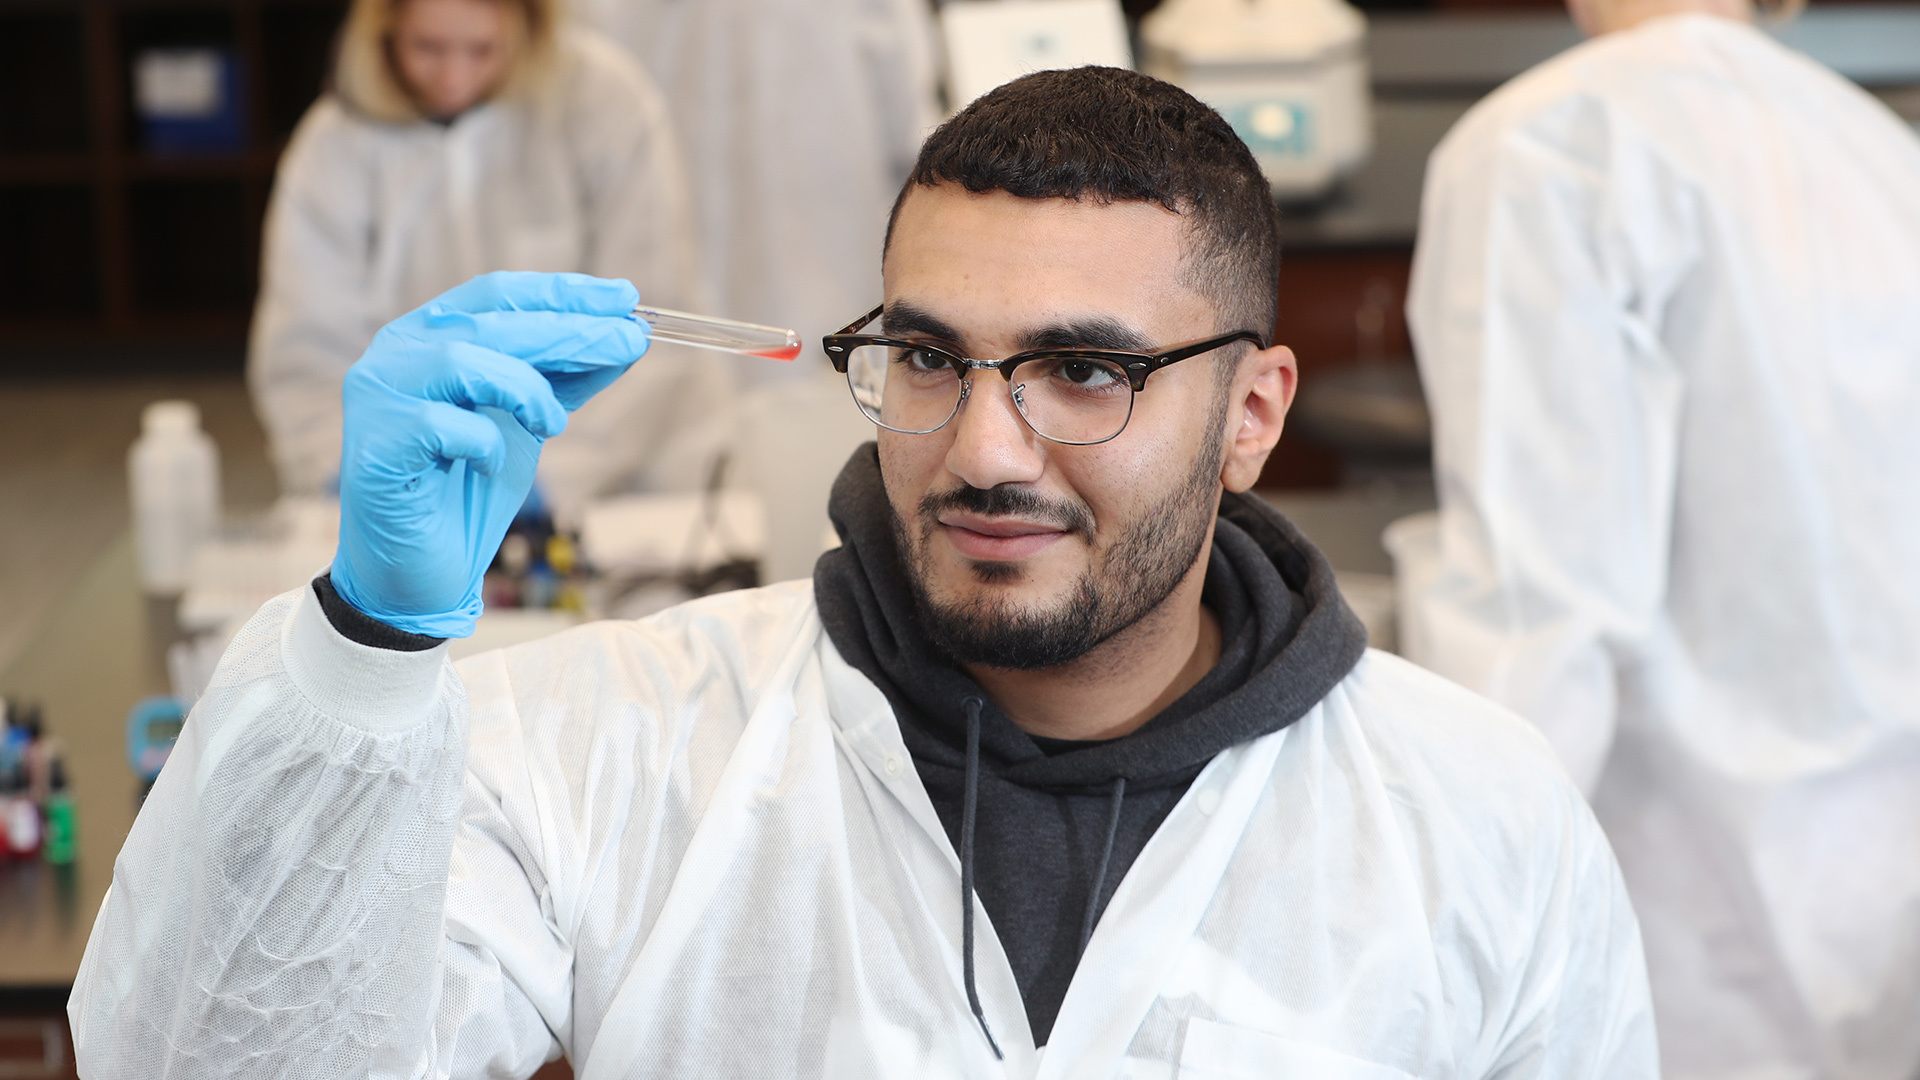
445 414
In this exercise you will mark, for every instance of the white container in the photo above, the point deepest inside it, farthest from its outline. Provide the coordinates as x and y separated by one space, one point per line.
1414 543
1289 75
173 474
797 442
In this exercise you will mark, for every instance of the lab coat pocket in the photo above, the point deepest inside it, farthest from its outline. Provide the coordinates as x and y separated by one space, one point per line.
1215 1051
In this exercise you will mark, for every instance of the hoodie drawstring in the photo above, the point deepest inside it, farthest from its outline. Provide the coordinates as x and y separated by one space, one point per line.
968 805
1106 857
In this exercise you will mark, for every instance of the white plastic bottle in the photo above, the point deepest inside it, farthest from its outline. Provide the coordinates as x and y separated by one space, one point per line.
173 472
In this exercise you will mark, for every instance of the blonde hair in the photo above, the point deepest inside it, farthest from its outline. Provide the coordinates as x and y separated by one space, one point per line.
367 81
1777 12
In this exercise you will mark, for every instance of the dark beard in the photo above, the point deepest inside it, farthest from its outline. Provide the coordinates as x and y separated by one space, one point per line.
1134 576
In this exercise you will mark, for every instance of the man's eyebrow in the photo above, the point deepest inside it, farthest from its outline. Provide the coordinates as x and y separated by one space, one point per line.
902 317
1096 332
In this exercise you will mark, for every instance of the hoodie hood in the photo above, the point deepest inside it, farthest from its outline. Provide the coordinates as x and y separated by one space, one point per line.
1287 638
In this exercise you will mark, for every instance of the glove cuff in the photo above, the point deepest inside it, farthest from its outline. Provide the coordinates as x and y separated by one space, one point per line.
363 629
438 626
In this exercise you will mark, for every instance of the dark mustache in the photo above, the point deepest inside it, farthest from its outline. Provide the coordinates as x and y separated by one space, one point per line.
1007 501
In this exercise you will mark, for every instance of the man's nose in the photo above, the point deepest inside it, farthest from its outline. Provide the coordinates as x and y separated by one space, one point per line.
992 444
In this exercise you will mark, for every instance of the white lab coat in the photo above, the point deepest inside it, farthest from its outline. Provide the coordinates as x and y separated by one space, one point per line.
800 119
696 846
1667 310
369 220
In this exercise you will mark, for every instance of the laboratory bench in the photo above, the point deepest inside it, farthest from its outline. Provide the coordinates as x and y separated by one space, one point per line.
88 662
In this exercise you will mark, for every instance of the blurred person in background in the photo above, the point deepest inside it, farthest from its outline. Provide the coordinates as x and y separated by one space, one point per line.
1667 309
800 119
457 137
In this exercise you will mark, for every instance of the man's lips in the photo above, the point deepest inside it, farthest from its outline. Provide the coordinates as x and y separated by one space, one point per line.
997 539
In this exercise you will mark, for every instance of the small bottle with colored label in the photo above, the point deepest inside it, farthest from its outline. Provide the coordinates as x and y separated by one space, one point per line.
62 839
22 824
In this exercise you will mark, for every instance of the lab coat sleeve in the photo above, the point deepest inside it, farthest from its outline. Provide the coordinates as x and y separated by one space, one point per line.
1546 257
314 313
318 886
662 425
1582 1009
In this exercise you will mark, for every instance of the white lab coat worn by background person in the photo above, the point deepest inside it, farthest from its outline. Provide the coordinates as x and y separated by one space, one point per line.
1667 310
800 120
369 220
695 845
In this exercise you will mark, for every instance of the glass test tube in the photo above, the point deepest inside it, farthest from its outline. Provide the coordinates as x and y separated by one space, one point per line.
726 335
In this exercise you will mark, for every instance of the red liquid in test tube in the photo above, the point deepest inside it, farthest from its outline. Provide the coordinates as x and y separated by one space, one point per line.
725 335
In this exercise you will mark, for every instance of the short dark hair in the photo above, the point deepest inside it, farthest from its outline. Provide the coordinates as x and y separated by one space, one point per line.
1113 135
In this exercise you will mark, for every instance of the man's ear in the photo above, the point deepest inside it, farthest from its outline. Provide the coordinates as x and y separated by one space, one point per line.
1264 391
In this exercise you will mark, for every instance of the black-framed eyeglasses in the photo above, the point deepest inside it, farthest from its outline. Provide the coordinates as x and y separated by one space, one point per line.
1078 397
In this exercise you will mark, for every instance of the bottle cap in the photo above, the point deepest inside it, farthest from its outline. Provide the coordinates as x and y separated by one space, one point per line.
560 554
171 417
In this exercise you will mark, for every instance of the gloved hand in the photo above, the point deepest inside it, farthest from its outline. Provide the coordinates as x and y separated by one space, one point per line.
445 414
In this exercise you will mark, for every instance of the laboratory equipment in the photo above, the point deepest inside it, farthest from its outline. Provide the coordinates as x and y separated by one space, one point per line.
188 100
1289 75
990 42
794 441
1414 543
725 335
20 822
61 833
173 473
152 728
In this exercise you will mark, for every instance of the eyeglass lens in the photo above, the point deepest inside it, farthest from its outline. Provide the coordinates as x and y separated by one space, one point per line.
1068 398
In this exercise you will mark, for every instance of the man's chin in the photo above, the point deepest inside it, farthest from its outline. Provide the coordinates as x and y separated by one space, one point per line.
962 581
1012 626
997 592
992 574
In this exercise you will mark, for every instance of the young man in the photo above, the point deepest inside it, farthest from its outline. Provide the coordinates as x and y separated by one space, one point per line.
1071 745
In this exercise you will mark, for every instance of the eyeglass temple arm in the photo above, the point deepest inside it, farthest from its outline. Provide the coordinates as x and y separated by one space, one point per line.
859 322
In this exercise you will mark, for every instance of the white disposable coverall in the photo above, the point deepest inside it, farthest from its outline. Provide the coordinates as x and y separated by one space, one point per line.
800 120
695 846
1667 310
369 220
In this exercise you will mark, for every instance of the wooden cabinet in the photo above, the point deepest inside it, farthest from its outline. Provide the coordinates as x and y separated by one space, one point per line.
34 1044
1337 308
108 238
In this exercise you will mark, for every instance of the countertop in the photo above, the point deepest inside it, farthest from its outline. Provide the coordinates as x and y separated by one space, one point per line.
1427 70
94 656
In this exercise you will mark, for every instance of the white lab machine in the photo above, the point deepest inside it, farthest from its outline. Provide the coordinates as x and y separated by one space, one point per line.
990 42
1289 75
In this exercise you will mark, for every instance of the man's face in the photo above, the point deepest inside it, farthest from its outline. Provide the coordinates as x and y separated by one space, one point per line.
1025 553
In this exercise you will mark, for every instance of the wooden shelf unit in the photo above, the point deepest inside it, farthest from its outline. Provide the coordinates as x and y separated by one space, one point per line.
105 239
